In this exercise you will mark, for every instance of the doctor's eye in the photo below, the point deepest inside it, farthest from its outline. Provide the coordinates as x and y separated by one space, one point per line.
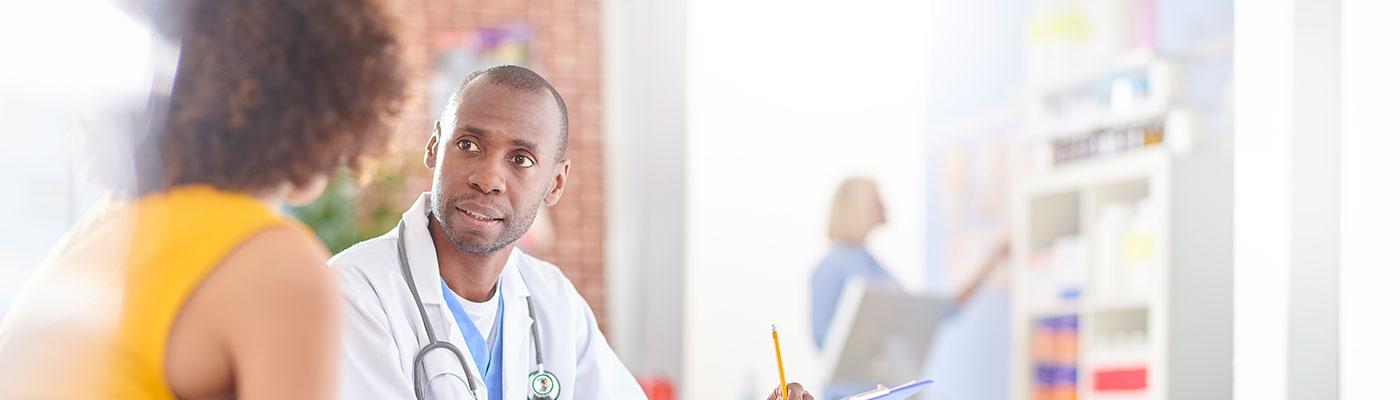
467 145
523 161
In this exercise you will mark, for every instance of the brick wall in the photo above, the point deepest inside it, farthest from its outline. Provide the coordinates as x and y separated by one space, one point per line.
565 49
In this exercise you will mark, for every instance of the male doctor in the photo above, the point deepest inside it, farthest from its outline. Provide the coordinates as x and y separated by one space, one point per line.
445 306
497 155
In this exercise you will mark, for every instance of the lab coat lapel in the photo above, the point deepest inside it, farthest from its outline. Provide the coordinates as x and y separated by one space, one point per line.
518 351
422 258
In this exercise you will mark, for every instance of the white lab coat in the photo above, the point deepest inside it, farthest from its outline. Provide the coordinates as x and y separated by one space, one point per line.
384 332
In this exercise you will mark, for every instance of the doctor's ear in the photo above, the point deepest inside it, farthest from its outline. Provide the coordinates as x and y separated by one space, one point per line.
561 176
430 152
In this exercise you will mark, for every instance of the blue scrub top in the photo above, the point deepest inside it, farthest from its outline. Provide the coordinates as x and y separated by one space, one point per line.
487 356
842 263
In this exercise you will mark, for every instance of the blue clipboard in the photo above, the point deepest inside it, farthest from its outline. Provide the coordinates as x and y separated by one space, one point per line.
900 392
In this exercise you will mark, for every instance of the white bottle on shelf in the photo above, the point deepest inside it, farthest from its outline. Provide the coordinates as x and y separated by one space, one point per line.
1109 229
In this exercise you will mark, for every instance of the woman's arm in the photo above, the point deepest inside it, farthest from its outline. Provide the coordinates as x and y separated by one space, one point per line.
1000 253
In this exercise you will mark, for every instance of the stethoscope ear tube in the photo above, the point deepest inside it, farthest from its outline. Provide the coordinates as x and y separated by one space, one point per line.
433 342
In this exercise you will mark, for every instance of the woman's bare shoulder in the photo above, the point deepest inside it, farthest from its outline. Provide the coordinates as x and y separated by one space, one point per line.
275 307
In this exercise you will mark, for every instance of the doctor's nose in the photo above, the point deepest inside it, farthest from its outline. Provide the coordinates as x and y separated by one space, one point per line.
487 180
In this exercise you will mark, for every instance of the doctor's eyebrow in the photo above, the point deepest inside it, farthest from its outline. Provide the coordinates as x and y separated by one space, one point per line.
526 144
472 130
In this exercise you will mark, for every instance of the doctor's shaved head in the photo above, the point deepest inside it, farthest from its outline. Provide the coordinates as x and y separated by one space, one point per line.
519 78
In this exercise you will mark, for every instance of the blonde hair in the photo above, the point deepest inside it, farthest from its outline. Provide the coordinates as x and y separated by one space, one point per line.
854 211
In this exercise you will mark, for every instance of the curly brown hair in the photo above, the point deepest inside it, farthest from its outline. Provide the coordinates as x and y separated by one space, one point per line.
269 92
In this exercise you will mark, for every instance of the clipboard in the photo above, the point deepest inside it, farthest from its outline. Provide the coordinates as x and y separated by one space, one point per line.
879 334
900 392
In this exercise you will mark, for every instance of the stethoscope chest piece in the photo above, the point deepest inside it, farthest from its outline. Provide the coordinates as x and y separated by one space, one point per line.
544 386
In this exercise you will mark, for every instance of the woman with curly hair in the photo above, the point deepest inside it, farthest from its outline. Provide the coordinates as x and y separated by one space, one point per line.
195 286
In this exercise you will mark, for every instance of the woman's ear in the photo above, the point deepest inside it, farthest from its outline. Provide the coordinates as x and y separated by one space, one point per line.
305 194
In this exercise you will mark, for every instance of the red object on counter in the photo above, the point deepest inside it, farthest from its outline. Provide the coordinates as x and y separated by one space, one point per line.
1120 379
657 388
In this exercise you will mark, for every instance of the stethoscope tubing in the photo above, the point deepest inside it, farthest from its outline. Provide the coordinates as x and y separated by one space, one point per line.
434 343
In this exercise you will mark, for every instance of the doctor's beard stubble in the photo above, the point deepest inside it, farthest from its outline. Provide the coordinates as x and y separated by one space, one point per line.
515 228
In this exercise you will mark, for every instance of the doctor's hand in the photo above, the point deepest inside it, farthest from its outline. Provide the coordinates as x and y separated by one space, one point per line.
795 392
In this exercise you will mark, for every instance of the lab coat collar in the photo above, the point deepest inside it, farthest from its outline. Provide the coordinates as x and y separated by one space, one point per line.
422 257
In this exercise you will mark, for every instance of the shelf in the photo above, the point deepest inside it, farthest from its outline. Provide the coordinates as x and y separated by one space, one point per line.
1086 123
1140 163
1125 191
1118 305
1140 301
1150 297
1063 310
1133 59
1132 395
1054 216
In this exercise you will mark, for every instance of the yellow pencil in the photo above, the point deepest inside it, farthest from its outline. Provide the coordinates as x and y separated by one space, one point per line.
782 378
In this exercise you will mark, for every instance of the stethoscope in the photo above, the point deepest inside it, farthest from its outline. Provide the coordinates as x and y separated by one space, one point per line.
543 384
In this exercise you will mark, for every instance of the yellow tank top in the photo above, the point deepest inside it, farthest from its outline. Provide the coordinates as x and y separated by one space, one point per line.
94 321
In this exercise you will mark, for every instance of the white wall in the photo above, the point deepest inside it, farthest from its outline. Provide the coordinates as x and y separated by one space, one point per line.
1313 290
645 110
785 98
1263 89
1369 197
1316 203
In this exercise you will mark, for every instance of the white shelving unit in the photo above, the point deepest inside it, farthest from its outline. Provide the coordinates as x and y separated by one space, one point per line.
1151 291
1068 203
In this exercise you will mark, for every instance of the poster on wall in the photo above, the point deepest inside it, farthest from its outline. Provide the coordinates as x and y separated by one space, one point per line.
973 165
457 54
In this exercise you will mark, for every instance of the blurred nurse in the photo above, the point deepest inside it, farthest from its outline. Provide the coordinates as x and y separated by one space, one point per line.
856 210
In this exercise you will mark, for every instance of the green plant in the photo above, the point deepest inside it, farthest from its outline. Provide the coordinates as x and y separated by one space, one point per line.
348 213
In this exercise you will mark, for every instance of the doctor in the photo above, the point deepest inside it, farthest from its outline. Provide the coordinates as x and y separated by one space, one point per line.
500 324
444 306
